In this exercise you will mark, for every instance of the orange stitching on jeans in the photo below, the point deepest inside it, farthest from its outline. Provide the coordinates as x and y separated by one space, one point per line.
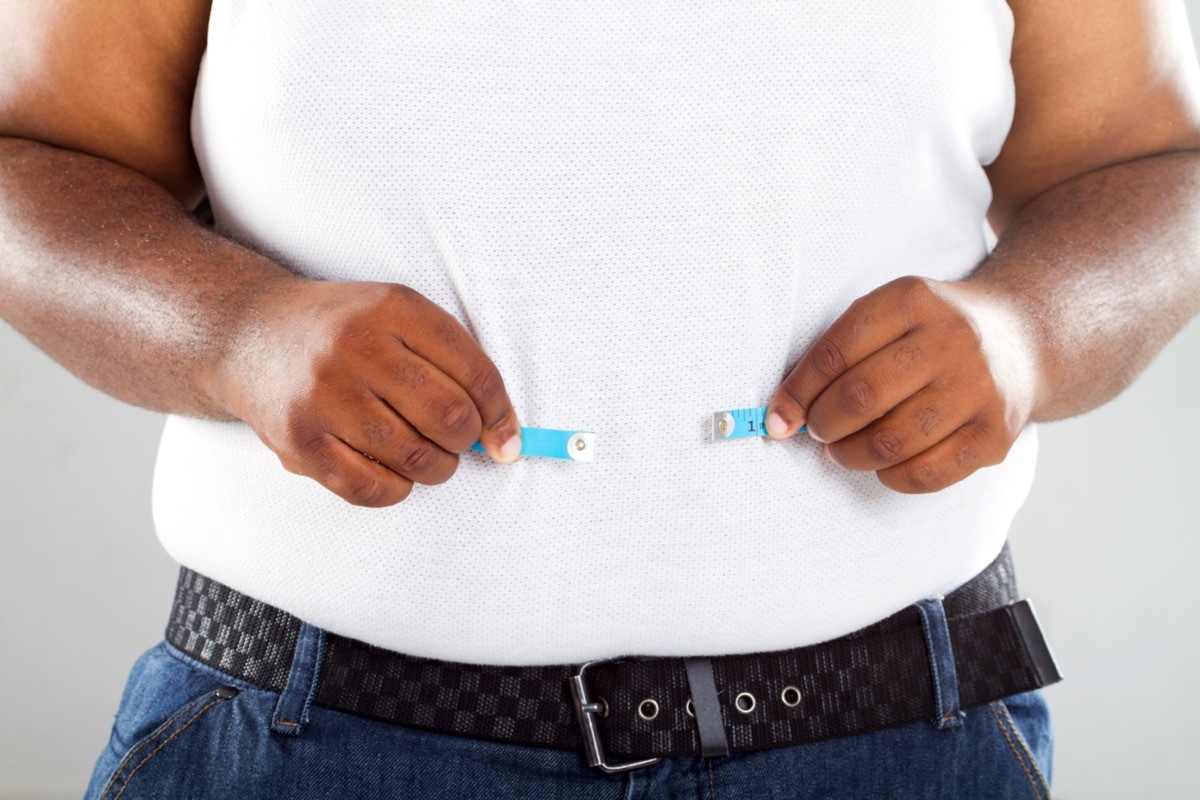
712 784
1037 794
199 714
281 722
1024 746
149 739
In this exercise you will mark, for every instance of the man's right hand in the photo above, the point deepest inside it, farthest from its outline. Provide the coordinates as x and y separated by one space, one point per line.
367 388
102 267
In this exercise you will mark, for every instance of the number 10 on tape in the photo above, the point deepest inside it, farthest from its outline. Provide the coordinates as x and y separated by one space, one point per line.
740 423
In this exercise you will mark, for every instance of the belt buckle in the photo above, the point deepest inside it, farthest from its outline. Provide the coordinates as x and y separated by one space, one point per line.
585 711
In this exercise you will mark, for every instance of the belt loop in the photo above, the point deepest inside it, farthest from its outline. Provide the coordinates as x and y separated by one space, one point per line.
291 712
709 723
941 664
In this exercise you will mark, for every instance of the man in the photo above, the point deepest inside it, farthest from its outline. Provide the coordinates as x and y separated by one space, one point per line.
922 380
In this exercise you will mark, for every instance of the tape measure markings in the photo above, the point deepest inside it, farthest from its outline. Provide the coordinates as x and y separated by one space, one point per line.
740 423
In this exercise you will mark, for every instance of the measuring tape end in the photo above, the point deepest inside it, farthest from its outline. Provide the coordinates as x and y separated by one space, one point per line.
722 426
582 446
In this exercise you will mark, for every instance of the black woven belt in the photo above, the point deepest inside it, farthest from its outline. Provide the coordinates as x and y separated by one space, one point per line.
875 678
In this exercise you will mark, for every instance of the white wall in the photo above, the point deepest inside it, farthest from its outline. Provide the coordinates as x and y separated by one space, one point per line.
1106 546
84 586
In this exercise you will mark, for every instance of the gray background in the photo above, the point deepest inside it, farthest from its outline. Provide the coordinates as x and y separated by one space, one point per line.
1106 547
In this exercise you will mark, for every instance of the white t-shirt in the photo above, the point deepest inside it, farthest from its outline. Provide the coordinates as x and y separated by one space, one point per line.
645 213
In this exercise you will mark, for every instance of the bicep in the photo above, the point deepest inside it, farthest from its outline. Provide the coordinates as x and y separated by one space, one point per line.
111 79
1097 84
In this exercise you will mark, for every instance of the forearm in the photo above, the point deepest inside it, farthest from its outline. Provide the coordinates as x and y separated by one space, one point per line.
1101 271
109 275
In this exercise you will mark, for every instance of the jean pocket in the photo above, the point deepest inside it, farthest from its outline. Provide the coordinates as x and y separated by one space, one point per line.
1024 723
161 701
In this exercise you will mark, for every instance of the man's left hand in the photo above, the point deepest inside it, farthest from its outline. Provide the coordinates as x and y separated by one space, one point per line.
920 381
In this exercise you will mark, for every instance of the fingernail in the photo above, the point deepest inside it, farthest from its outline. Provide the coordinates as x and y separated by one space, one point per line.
510 449
829 455
816 436
776 426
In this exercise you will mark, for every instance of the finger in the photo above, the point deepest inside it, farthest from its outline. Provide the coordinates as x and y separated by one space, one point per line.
871 322
428 400
949 461
873 387
391 441
340 469
441 340
911 428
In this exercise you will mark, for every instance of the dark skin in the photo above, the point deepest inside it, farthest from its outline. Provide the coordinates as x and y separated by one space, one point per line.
1096 200
161 312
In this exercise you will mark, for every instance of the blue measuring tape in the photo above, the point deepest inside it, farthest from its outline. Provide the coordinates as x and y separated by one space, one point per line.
551 443
740 423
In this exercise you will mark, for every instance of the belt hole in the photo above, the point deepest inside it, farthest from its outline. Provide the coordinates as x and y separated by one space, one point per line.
690 709
744 702
790 696
647 709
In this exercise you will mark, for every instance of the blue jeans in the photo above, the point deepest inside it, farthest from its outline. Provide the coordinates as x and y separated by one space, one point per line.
181 733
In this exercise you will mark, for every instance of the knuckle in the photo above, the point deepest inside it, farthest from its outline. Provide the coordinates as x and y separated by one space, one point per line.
484 382
980 429
987 446
927 418
912 287
964 332
401 296
922 477
906 356
976 385
829 360
858 396
378 433
300 433
884 445
418 457
326 370
411 374
453 416
792 392
913 292
965 456
368 490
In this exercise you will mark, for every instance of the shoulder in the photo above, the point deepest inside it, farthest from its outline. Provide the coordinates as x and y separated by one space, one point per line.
111 79
1097 84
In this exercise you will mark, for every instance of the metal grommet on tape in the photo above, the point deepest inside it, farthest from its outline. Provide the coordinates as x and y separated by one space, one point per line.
741 423
553 443
790 696
744 702
647 709
723 425
581 446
